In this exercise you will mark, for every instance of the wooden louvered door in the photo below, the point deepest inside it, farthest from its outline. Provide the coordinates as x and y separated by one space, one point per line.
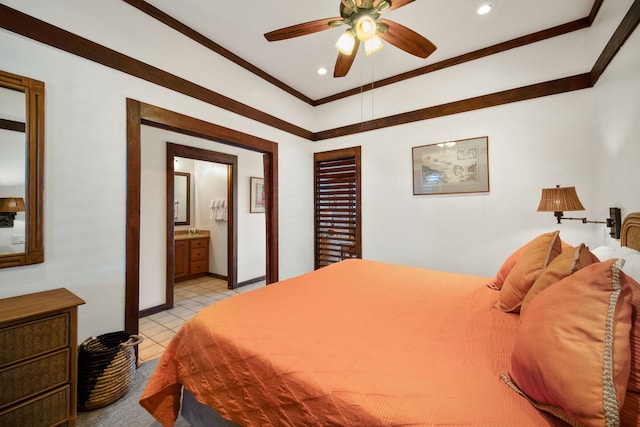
338 232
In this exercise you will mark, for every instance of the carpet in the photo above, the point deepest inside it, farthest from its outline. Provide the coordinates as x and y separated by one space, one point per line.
127 412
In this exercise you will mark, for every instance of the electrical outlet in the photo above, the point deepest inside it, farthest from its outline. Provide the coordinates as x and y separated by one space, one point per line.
17 239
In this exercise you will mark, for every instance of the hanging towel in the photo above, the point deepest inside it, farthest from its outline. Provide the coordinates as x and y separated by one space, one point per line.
218 210
221 213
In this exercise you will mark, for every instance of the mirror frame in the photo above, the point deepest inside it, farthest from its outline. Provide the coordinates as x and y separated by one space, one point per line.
188 196
34 97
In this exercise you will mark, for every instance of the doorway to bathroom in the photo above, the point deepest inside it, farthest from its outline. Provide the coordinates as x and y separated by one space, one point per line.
202 193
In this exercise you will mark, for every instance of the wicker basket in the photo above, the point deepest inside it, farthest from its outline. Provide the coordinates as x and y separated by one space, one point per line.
105 366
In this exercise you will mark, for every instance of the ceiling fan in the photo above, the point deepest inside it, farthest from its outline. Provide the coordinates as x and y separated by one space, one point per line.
363 19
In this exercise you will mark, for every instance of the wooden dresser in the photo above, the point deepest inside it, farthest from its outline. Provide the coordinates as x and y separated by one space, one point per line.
38 353
191 256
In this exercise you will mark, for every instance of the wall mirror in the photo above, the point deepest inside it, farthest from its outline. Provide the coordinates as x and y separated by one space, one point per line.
181 199
21 170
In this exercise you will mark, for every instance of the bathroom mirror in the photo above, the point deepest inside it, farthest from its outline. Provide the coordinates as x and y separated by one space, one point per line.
181 199
21 170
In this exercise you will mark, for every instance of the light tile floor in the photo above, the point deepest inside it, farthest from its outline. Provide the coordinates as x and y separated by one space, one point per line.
190 297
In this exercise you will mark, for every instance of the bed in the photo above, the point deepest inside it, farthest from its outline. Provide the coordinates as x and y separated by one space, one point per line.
364 343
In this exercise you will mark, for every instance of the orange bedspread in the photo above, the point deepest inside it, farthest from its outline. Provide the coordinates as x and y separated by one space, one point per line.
358 343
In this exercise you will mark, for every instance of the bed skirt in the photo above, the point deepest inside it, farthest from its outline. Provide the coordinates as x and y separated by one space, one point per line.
201 415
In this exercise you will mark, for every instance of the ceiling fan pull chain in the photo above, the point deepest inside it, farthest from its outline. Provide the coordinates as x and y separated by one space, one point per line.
361 95
372 91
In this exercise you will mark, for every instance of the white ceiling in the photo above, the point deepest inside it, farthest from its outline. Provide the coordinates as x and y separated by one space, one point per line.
452 25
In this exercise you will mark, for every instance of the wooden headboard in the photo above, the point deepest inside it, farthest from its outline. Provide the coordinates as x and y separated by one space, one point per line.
630 235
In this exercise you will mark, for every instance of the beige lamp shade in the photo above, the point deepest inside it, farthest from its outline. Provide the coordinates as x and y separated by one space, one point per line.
559 199
11 204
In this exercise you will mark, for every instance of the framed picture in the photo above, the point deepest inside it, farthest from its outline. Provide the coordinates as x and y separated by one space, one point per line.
451 167
257 195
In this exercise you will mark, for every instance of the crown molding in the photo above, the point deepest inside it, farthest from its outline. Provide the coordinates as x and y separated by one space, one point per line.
35 29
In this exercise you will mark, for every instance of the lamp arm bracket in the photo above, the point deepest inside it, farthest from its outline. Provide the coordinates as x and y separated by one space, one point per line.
586 221
614 221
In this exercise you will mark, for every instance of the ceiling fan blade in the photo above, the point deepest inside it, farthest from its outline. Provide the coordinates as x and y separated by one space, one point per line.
395 4
344 62
300 29
406 39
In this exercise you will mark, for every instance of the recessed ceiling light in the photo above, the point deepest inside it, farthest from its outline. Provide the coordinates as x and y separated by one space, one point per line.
484 9
322 71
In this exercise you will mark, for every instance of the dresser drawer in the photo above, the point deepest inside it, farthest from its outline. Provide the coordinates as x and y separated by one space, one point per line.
198 254
199 243
43 373
199 267
46 410
33 338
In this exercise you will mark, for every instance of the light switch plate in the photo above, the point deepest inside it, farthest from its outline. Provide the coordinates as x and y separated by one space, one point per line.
17 239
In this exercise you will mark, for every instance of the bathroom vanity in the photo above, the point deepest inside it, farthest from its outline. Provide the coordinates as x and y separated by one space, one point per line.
191 254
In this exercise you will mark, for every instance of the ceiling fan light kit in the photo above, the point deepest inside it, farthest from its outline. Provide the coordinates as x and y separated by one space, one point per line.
346 42
365 28
372 45
361 16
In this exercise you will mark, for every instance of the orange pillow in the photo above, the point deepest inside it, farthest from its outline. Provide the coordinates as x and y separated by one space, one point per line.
571 356
506 268
565 264
630 413
533 260
508 265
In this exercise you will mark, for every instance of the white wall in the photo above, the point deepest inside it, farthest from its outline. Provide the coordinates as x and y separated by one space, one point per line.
85 179
119 26
586 138
532 145
211 184
617 127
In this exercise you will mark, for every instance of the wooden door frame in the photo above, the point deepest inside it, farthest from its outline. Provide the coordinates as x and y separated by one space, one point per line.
138 114
231 161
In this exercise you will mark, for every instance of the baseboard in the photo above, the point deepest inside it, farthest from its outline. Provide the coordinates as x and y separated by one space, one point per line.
251 281
153 310
217 276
